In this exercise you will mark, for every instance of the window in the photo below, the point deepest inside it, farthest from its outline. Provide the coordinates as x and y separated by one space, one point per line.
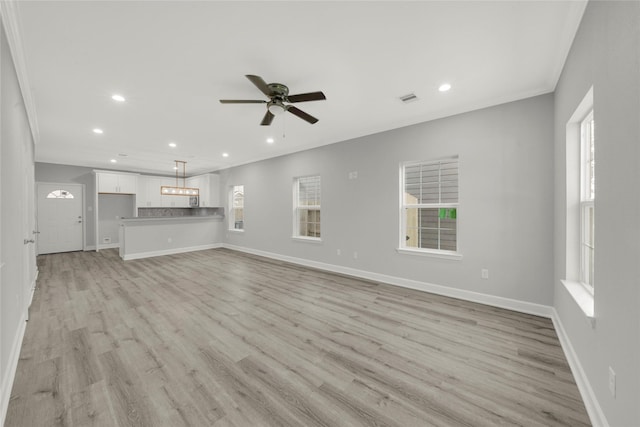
580 213
60 194
236 208
306 204
429 206
587 198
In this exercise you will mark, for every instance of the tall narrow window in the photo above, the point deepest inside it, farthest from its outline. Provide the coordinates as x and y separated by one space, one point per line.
236 208
306 204
587 198
429 206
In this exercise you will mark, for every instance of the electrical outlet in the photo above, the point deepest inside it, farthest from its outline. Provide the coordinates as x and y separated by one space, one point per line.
484 273
353 175
355 255
612 381
339 252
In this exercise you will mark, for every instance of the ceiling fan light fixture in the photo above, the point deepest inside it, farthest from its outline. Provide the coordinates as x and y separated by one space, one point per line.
276 108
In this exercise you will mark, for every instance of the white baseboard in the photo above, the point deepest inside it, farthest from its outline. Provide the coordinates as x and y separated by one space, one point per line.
495 301
108 246
12 366
150 254
596 415
89 248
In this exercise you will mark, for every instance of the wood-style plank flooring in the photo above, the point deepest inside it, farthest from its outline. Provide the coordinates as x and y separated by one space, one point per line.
220 338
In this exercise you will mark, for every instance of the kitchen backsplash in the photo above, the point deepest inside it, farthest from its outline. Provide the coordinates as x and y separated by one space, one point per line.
165 212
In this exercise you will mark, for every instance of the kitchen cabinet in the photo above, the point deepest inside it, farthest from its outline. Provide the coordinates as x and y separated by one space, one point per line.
116 183
209 189
149 192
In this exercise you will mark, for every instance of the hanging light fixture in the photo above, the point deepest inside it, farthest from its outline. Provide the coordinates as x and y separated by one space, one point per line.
177 190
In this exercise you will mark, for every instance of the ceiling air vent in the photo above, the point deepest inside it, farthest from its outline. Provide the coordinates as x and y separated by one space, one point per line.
409 98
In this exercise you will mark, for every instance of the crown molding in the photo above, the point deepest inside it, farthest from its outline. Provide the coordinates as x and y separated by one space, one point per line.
11 22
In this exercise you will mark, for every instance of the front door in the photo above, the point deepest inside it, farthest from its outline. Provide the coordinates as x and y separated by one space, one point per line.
60 219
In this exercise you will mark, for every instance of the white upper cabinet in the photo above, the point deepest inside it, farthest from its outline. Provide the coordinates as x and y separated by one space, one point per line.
208 185
121 183
213 191
149 192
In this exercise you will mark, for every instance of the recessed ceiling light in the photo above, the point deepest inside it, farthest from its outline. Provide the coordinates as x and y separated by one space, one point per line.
270 140
225 154
444 87
173 145
117 97
98 131
114 161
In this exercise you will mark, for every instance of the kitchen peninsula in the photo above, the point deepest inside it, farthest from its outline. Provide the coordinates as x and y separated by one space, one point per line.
165 231
133 214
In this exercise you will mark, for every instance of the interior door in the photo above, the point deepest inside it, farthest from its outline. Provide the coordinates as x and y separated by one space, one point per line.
60 219
29 226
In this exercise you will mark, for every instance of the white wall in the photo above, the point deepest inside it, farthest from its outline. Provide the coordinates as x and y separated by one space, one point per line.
606 55
18 271
505 214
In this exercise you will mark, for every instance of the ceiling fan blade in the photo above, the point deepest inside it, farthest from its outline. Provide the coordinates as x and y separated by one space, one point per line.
267 119
303 97
260 84
304 116
242 101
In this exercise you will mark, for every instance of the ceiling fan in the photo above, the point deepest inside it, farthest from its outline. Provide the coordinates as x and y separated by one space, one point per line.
278 94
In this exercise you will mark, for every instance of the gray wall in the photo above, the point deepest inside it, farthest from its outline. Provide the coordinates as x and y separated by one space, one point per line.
17 260
111 208
48 172
506 195
605 55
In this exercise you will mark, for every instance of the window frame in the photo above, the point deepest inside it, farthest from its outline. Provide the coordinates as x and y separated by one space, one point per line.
232 213
403 206
297 207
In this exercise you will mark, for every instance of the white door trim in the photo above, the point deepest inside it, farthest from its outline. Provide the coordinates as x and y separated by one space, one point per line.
84 213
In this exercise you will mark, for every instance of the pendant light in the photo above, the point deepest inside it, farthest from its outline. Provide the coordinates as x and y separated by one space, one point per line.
177 190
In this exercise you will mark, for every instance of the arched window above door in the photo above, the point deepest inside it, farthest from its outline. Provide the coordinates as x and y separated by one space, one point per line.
60 194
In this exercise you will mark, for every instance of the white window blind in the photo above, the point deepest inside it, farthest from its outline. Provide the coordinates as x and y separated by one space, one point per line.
430 205
236 210
307 207
587 199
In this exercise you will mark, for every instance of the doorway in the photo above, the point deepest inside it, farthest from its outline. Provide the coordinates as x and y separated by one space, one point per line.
60 218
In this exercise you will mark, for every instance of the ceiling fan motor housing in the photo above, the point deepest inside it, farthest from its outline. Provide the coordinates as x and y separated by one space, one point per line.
278 90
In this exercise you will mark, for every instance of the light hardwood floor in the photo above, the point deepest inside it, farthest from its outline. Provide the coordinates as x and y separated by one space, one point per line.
220 338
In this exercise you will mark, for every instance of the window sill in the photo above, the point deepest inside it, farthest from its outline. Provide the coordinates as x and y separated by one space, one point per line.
432 254
583 297
235 230
306 239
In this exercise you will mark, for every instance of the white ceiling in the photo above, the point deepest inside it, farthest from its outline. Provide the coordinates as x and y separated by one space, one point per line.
173 61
